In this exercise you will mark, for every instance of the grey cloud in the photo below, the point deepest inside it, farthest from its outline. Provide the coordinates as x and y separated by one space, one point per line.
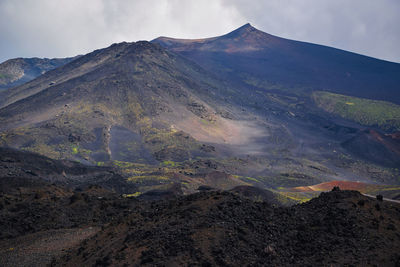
369 27
48 28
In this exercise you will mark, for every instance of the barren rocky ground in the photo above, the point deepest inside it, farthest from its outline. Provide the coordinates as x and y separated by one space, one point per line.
219 228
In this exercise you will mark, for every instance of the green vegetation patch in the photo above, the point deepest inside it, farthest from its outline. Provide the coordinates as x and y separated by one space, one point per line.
74 150
146 178
169 163
251 179
367 112
136 194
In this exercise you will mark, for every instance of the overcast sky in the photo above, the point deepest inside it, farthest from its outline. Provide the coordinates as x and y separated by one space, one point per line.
61 28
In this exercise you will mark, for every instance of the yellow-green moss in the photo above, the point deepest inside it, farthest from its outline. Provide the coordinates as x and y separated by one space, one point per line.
252 179
74 150
148 178
136 194
169 163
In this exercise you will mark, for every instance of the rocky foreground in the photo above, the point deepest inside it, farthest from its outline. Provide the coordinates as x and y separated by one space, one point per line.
220 228
51 213
207 229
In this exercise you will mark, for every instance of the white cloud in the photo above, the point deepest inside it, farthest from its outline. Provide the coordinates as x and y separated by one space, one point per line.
48 28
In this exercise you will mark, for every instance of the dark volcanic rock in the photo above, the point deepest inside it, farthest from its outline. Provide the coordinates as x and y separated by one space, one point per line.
38 194
22 168
41 207
220 228
259 194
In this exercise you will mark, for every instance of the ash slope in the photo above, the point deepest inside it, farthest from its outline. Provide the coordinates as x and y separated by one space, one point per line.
219 228
278 77
135 93
264 61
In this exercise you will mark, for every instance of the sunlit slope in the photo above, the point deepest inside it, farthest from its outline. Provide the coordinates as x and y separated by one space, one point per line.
131 101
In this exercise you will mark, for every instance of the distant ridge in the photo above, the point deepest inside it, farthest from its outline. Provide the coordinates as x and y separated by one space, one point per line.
17 71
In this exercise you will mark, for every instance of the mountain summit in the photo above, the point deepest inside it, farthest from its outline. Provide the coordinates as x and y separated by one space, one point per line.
260 60
244 39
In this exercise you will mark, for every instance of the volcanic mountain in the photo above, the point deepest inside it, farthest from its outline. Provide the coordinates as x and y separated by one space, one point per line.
136 122
263 61
278 73
192 109
136 93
